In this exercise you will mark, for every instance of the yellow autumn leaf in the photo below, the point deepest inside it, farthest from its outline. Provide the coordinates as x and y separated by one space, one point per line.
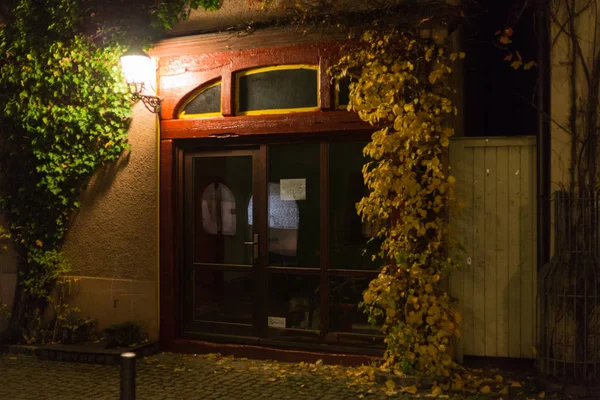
458 384
485 389
504 390
515 384
499 378
458 317
391 385
432 77
409 389
542 395
436 391
516 64
461 55
39 243
529 65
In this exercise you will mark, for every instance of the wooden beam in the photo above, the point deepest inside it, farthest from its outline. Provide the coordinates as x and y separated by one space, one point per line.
332 121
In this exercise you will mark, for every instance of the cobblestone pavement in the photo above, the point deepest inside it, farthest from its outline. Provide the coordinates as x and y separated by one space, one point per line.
171 376
179 376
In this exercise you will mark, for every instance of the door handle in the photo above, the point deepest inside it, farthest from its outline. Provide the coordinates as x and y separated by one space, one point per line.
254 245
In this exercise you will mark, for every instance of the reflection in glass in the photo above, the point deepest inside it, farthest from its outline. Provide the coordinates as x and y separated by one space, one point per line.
221 186
349 236
345 293
294 300
218 210
223 296
294 185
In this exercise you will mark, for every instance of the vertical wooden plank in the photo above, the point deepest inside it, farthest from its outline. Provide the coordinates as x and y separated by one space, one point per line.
168 271
490 218
227 92
324 242
533 249
456 168
502 246
527 245
478 257
514 252
263 231
467 267
325 88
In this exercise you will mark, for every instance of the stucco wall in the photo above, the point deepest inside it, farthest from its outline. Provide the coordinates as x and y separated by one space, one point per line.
561 90
112 242
114 234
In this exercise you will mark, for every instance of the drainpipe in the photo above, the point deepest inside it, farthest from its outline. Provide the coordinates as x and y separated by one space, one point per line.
543 134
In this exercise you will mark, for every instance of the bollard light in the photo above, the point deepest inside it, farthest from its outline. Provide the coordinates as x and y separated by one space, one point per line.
128 376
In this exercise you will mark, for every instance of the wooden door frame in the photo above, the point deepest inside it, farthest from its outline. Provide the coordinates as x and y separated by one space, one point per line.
185 221
172 220
178 134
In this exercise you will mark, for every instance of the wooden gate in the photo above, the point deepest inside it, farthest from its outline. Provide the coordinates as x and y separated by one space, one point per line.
495 224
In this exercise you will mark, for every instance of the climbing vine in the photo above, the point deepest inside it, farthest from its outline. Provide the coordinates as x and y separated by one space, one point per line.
65 113
400 86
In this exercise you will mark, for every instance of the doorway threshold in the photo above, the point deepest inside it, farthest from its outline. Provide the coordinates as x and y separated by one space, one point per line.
266 349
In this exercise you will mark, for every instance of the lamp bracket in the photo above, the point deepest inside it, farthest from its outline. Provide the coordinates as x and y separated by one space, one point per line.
152 103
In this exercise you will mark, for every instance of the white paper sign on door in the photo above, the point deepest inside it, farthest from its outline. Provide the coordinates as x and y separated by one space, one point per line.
276 322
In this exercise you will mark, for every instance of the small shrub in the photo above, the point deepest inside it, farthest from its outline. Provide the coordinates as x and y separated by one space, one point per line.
78 331
123 334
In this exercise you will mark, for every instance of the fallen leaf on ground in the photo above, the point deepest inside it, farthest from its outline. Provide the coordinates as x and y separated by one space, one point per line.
485 389
436 391
409 389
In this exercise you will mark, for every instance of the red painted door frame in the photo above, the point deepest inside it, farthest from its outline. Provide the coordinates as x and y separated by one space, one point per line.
175 133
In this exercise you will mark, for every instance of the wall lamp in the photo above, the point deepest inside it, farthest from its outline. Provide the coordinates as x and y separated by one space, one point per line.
138 69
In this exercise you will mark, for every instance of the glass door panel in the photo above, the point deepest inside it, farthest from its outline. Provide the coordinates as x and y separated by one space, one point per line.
351 242
221 246
294 205
222 191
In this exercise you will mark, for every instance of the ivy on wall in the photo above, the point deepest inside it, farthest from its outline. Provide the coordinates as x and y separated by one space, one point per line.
65 112
400 86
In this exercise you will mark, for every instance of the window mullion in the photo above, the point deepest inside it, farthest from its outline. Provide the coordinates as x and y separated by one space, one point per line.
324 243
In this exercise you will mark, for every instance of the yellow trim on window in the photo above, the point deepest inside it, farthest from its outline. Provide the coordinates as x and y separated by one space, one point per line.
183 115
276 110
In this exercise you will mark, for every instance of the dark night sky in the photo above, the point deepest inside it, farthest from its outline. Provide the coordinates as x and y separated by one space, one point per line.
498 99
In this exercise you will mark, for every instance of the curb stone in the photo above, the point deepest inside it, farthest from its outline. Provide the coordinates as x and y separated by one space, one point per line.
81 353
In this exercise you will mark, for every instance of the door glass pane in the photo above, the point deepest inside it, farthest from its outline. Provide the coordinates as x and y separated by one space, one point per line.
349 236
294 205
345 293
294 301
222 189
224 296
